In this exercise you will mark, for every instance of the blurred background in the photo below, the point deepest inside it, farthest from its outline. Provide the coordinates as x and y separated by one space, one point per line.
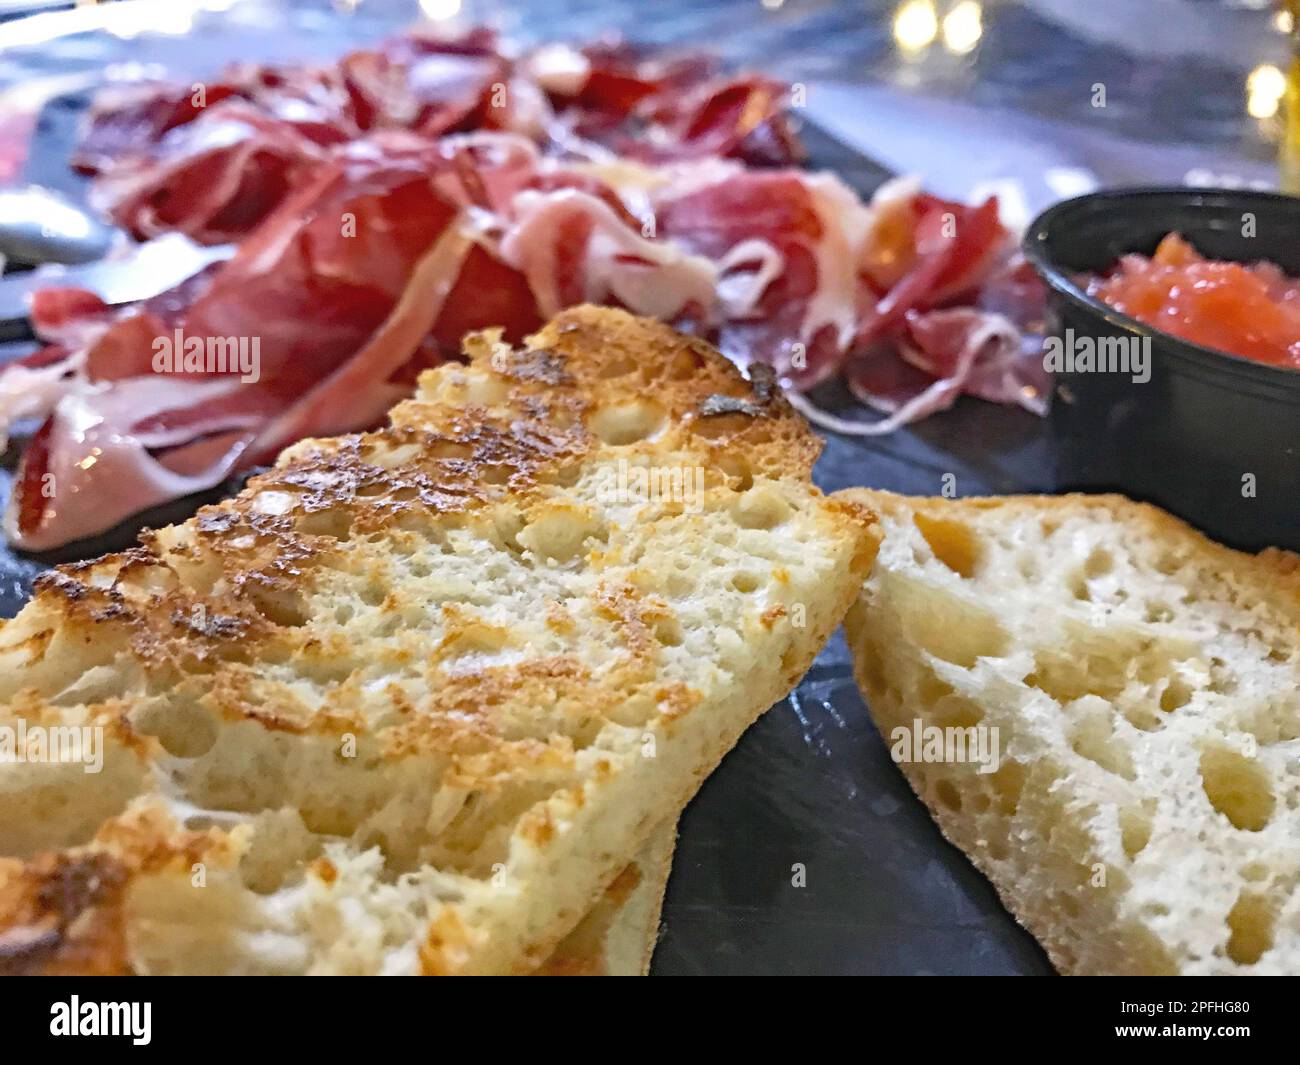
1040 98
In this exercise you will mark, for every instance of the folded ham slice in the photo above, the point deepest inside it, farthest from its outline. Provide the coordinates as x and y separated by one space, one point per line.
957 314
212 180
386 205
787 243
341 288
213 160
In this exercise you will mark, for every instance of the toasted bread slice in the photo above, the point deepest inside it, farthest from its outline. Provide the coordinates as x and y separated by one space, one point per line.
619 935
1144 685
415 698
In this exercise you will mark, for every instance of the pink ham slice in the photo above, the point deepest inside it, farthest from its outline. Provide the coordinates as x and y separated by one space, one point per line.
212 161
478 230
213 180
955 322
343 324
785 244
384 214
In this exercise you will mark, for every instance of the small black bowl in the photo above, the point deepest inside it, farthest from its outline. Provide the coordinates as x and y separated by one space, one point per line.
1212 437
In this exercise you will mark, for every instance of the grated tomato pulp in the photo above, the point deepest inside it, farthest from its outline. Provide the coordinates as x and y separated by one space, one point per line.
1252 311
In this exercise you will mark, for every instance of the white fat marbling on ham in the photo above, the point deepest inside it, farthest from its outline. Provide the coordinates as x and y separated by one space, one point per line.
387 204
744 274
845 223
649 277
32 392
91 447
558 68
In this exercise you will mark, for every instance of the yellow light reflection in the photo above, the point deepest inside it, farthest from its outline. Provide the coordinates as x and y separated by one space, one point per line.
1264 90
963 26
1284 21
915 25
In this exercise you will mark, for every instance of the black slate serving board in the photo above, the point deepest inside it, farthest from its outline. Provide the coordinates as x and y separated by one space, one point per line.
806 851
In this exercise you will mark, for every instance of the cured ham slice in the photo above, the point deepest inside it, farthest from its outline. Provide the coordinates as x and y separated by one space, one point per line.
388 204
87 444
944 354
954 315
213 180
125 118
130 118
341 288
941 251
739 118
574 248
213 160
787 244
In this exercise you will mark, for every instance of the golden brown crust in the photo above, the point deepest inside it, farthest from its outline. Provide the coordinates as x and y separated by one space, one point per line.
64 915
209 619
581 952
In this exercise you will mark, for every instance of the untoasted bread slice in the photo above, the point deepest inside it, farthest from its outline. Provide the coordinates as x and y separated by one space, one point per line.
1143 683
415 698
619 935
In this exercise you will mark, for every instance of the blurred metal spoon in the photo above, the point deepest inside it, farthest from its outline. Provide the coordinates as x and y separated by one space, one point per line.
38 225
